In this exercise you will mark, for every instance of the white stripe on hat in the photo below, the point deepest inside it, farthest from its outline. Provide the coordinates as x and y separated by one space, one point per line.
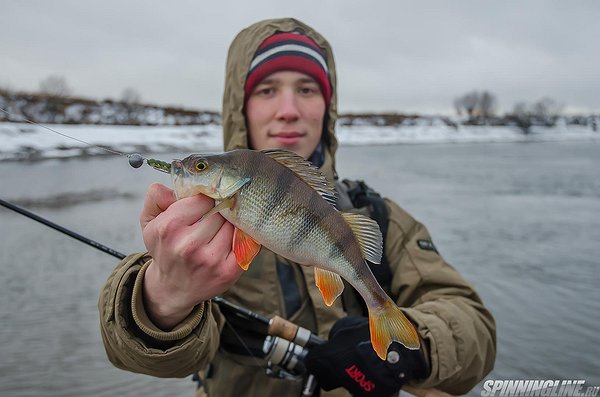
289 47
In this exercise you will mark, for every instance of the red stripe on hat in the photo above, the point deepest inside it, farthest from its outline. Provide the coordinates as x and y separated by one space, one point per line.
290 36
289 60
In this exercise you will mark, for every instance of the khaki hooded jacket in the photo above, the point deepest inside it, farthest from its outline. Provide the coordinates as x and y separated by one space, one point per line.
458 331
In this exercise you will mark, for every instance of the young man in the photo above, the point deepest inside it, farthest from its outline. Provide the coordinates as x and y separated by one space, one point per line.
156 313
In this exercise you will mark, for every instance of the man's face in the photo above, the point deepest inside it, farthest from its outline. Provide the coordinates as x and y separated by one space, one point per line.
286 111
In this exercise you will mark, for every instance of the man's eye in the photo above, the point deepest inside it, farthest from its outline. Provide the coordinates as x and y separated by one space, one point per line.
264 91
309 90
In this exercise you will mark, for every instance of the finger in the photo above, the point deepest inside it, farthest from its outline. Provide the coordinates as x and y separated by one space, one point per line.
222 239
227 269
204 230
193 245
222 243
196 248
231 260
190 210
158 199
230 271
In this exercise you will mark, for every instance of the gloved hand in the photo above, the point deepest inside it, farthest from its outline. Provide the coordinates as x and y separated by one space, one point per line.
348 360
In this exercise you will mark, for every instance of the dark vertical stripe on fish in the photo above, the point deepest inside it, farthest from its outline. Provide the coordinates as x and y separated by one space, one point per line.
275 199
344 242
310 216
303 218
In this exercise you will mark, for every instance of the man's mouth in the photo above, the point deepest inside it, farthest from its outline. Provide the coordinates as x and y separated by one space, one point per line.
288 138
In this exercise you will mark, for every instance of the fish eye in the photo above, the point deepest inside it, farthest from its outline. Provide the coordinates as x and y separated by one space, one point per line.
201 165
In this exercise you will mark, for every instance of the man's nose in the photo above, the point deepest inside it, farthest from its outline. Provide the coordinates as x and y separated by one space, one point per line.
288 107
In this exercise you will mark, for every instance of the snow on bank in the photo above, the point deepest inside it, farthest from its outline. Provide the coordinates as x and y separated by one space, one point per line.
31 142
369 135
22 141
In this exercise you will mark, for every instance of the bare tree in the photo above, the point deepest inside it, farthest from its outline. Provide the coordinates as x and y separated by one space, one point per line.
476 104
458 106
55 86
487 104
469 103
131 96
131 99
521 109
521 115
547 110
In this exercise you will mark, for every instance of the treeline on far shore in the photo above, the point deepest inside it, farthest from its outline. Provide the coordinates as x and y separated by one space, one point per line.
64 109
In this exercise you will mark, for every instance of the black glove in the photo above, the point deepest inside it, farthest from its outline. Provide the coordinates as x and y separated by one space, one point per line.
348 360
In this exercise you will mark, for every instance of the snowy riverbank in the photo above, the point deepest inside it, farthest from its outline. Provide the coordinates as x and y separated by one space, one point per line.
22 141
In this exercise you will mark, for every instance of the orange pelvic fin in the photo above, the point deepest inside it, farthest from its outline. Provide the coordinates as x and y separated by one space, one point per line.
329 283
389 324
245 248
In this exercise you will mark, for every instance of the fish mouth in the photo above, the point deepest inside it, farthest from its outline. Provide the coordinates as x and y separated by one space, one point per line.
186 183
180 178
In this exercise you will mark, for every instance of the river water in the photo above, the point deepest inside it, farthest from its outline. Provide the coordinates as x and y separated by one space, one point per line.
520 221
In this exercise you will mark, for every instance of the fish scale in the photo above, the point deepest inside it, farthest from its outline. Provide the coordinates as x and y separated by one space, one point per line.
270 230
276 199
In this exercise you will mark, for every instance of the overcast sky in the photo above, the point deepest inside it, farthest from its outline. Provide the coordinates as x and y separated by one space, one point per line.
391 55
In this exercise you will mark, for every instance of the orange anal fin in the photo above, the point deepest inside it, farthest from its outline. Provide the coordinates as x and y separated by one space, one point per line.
245 248
389 324
330 284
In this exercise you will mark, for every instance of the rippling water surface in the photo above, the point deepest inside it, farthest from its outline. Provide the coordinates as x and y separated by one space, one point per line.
520 221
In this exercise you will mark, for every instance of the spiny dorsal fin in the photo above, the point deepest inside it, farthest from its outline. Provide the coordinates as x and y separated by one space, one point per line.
305 170
368 235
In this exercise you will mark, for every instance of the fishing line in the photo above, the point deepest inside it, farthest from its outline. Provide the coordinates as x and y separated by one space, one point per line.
65 135
136 160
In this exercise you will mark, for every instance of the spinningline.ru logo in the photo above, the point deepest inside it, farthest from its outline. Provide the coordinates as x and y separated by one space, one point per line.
538 387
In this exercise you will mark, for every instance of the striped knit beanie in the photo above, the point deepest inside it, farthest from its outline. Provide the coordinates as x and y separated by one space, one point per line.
289 51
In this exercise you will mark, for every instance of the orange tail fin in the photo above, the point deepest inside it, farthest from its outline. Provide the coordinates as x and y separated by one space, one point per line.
389 324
